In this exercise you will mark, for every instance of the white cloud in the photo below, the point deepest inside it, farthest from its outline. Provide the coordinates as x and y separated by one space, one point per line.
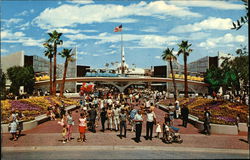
24 26
124 20
112 46
4 50
198 35
89 30
65 30
9 22
144 41
7 34
103 34
19 37
81 1
68 44
77 37
155 41
212 23
110 53
220 41
87 14
24 13
158 57
150 29
213 4
82 53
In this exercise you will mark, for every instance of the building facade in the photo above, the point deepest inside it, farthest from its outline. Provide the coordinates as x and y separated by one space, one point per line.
40 65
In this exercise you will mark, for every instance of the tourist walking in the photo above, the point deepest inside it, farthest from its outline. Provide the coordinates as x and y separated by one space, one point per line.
207 116
116 113
103 116
150 124
123 125
62 110
158 129
184 114
167 119
13 128
82 127
132 116
19 121
92 118
70 123
110 118
171 111
177 109
138 125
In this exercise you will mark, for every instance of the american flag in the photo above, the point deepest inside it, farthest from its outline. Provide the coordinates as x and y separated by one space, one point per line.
118 29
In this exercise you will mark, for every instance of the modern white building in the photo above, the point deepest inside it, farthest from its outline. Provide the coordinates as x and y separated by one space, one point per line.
39 65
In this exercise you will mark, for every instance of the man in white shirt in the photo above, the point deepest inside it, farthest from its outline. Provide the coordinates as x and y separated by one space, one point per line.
138 125
116 112
150 124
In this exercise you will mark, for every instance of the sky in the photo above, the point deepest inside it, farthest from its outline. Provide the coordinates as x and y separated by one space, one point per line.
149 27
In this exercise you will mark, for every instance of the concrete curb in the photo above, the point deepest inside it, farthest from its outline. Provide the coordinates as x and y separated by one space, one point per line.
115 148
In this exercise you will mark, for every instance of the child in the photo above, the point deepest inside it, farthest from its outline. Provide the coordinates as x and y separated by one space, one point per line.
82 127
63 123
158 129
64 133
13 129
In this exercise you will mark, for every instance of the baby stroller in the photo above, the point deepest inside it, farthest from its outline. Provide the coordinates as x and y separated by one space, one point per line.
170 134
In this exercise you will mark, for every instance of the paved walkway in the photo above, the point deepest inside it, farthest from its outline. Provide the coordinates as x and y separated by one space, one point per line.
49 134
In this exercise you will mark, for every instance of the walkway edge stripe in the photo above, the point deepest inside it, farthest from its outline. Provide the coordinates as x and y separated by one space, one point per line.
113 147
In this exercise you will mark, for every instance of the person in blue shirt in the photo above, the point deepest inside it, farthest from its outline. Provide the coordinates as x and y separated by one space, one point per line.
131 116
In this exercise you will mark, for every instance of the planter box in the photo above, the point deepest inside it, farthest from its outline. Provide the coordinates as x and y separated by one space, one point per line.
32 124
215 128
224 129
243 127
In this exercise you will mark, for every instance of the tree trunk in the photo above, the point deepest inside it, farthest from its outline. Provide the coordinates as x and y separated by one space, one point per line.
174 84
64 77
185 74
50 77
54 73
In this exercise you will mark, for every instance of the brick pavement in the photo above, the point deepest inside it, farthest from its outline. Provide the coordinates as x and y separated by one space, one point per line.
49 134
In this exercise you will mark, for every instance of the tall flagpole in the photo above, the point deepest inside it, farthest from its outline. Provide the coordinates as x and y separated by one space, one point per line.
122 64
76 69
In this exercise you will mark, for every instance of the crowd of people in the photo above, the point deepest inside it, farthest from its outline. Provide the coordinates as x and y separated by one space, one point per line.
116 112
119 112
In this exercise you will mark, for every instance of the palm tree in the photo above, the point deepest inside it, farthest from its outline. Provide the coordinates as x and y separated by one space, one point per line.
55 40
49 53
168 56
185 50
66 53
107 66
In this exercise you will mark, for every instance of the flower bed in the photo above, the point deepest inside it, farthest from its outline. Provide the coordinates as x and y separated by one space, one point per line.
222 111
32 107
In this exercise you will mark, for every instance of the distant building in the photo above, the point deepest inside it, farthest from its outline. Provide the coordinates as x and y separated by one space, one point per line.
40 66
200 66
82 70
